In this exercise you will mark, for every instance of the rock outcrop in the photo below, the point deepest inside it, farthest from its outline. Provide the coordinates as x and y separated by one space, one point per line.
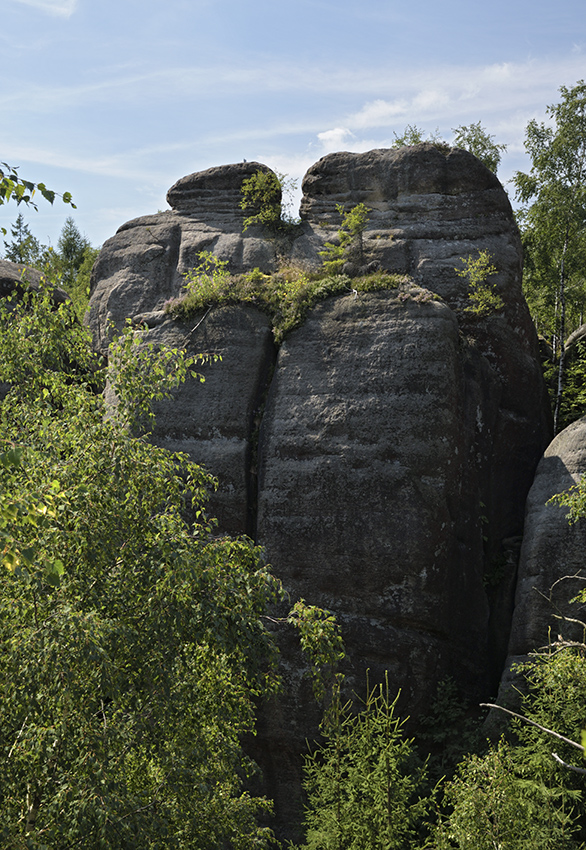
552 556
383 454
17 278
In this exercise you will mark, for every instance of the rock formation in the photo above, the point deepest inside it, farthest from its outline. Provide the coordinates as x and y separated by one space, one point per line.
382 455
16 278
552 555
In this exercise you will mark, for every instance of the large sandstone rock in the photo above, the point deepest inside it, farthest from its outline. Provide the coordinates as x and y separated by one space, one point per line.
143 265
552 549
551 569
369 483
17 278
400 433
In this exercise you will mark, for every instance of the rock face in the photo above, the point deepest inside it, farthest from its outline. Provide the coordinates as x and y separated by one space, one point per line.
552 549
142 267
214 422
551 568
399 433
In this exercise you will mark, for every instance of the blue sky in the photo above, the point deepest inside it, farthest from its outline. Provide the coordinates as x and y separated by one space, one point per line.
114 101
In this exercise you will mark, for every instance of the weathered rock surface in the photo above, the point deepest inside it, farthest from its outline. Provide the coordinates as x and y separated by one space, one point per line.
214 421
16 278
400 434
552 548
368 470
143 265
550 566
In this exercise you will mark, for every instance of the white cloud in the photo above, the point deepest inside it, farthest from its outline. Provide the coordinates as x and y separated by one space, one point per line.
61 8
452 95
431 99
378 113
334 140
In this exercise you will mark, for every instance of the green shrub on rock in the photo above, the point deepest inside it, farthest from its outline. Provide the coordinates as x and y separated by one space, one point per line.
286 295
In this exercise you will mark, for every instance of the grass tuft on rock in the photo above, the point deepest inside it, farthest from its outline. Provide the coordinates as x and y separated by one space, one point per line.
286 295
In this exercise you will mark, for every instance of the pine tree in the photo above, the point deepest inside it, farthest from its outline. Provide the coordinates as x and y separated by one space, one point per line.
25 248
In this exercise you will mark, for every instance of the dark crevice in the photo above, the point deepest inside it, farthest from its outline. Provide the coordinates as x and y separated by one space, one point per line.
267 372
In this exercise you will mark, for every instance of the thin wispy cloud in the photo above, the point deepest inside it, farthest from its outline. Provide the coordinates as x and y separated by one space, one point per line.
59 8
128 97
433 91
452 95
123 165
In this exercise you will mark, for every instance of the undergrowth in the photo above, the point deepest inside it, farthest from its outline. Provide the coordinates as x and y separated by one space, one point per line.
285 295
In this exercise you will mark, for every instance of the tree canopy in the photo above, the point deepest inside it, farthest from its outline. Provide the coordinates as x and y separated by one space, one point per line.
472 137
553 221
134 642
69 265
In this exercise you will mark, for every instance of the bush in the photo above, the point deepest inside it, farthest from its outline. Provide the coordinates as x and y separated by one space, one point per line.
517 795
364 783
134 644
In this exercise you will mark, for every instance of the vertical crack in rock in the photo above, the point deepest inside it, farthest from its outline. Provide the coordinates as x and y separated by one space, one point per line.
213 422
266 374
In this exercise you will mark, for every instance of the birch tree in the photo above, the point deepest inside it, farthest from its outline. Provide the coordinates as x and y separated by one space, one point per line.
553 220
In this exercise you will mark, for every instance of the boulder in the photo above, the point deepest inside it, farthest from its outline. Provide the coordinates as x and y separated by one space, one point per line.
16 278
552 550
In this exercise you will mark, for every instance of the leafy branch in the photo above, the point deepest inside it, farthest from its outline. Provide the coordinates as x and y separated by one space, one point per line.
13 187
552 732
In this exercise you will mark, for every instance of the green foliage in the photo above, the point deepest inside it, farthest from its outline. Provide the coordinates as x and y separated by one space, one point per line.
33 511
13 187
363 784
448 731
471 137
518 795
553 223
134 644
43 352
68 266
71 249
349 245
261 198
24 249
142 374
320 638
489 809
553 218
574 498
573 401
474 138
286 295
79 288
413 135
262 194
209 282
482 296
